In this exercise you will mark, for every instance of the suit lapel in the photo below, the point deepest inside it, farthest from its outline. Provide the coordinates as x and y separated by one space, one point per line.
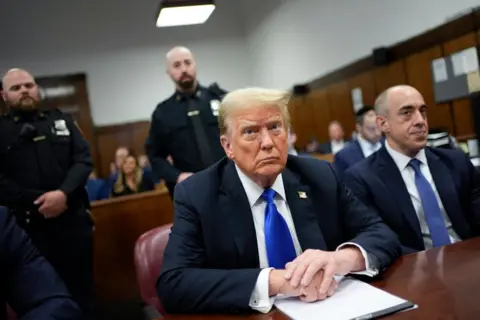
391 176
234 203
357 144
445 185
299 200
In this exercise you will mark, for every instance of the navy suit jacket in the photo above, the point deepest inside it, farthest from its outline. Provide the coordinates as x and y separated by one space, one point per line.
27 281
211 262
347 157
378 183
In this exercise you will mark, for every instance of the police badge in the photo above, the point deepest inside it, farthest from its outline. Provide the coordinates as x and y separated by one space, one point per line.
215 106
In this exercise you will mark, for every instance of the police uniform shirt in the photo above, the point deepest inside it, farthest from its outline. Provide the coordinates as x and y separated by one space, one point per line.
41 152
172 132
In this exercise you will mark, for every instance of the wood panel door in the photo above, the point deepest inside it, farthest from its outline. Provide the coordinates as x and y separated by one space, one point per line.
462 112
419 76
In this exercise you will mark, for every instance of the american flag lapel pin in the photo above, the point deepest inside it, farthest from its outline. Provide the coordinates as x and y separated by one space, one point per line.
302 195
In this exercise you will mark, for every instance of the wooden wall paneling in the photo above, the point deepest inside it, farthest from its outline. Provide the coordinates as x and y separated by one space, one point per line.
341 109
304 120
139 137
293 108
419 75
389 76
366 82
462 113
436 36
107 145
321 114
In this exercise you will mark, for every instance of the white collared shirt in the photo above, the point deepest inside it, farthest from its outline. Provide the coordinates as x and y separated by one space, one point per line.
292 151
337 145
367 147
408 175
260 299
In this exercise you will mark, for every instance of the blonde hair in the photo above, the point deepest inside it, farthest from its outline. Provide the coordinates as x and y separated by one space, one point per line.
253 98
119 185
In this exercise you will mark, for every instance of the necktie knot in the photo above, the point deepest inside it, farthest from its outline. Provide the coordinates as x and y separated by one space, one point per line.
268 195
415 164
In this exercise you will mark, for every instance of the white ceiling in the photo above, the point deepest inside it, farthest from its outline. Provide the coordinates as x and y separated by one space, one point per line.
90 26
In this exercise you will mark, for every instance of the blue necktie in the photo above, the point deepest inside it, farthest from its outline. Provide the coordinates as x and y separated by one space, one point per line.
278 240
433 213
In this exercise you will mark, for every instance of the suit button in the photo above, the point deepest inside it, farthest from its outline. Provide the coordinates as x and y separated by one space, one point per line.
27 220
28 213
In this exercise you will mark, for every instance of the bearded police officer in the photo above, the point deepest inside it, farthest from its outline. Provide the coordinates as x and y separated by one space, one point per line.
44 166
185 125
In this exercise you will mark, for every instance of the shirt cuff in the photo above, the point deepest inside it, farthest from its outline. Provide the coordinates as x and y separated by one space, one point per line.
370 268
260 299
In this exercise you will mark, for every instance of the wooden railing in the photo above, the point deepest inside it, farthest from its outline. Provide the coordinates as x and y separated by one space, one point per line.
118 224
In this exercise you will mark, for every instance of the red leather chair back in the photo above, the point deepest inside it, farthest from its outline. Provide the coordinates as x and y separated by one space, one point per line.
11 314
148 258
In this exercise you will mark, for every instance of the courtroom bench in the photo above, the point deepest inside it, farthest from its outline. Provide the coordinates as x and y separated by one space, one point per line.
119 222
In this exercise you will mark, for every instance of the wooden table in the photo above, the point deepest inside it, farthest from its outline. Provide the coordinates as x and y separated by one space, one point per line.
444 283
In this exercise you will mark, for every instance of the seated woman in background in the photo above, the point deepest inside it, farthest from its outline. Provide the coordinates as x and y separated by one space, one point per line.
131 179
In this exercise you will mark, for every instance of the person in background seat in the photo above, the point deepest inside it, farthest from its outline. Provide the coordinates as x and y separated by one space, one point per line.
131 179
367 142
121 154
336 143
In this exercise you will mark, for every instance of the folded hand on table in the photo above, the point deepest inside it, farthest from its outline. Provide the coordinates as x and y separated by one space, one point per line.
312 273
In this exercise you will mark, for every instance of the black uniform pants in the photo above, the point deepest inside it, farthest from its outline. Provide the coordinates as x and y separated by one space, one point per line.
67 243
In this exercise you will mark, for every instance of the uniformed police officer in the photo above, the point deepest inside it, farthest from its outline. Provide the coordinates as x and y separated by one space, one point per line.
44 166
185 126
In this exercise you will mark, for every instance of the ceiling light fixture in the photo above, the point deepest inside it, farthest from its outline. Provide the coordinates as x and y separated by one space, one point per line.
184 12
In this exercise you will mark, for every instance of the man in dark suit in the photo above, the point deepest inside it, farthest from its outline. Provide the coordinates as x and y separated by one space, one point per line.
336 142
429 197
27 281
367 142
262 222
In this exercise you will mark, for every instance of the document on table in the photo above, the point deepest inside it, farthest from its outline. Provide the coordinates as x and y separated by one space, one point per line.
353 300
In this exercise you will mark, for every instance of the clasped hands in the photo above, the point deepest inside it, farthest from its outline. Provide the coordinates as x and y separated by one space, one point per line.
311 275
51 204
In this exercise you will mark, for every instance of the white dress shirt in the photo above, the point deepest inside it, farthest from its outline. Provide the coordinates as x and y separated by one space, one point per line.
367 147
292 151
337 145
260 299
408 175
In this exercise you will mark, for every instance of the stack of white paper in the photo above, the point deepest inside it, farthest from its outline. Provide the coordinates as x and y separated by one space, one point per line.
352 300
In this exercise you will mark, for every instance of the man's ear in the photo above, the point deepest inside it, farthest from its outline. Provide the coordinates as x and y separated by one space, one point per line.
4 95
382 123
225 141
